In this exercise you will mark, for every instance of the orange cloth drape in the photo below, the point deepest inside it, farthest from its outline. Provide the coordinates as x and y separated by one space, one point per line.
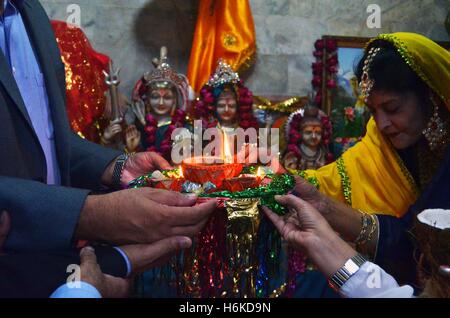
224 29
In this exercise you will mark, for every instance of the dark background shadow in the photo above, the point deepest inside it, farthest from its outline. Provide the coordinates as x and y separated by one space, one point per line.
169 23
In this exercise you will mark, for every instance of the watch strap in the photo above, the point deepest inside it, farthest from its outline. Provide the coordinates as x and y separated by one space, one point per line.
345 272
118 170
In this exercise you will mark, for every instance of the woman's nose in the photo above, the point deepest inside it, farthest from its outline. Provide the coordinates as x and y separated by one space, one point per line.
382 120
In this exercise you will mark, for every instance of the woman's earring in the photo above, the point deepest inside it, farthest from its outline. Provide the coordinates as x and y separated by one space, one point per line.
435 133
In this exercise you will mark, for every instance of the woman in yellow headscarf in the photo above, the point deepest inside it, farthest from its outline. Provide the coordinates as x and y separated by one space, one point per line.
402 164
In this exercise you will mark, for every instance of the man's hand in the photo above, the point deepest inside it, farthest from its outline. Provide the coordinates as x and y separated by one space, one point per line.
306 229
108 286
145 256
137 165
5 224
145 215
143 163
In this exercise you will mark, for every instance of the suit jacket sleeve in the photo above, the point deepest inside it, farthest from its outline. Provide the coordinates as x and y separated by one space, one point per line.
43 217
88 161
38 275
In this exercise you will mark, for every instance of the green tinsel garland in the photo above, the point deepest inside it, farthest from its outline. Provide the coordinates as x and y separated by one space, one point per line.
280 185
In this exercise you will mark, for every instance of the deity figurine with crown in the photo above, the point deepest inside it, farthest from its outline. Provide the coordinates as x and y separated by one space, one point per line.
160 99
225 102
308 131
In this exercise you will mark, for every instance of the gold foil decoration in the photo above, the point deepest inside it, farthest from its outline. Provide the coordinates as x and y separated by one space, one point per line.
289 105
242 228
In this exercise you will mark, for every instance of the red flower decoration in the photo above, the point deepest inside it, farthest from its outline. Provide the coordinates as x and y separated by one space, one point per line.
332 61
319 44
316 81
318 54
318 100
317 66
332 69
151 126
331 84
331 45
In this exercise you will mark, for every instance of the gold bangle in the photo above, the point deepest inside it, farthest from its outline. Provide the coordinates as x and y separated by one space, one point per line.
374 227
365 223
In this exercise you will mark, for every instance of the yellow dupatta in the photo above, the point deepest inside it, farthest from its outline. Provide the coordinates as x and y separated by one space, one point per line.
371 176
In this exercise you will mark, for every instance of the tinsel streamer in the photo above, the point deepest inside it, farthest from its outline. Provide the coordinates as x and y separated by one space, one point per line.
242 228
268 247
296 265
188 275
206 266
212 255
268 252
160 281
235 254
142 181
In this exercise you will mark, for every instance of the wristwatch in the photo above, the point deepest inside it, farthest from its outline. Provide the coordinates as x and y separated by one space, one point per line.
345 272
118 169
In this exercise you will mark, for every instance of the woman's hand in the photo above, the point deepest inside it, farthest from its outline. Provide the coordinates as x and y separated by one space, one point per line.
343 218
302 225
309 193
306 229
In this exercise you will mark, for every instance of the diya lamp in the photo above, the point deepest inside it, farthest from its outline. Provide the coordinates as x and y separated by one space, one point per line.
214 169
244 181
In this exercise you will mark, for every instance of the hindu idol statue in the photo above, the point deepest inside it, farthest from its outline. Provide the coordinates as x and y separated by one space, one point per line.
115 108
225 102
160 99
308 133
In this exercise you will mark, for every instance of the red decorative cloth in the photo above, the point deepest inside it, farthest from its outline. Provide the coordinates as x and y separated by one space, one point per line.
84 80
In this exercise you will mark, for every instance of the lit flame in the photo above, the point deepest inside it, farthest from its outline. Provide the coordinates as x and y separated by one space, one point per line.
260 172
180 174
227 156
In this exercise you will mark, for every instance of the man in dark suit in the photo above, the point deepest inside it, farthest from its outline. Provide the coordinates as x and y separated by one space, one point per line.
48 174
102 273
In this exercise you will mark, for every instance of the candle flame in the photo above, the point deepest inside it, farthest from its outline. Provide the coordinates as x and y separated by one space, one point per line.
260 172
228 158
